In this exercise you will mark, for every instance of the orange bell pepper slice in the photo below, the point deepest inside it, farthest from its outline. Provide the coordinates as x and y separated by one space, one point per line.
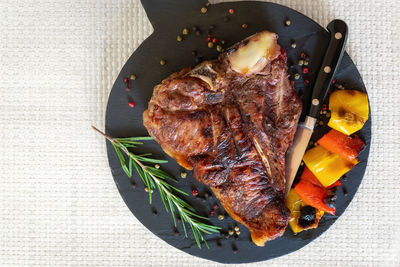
348 147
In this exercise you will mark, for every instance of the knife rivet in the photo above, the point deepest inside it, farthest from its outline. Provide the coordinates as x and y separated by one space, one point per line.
327 69
315 102
338 36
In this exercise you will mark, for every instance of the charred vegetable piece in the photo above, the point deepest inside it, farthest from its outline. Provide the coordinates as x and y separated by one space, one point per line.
307 216
313 193
328 167
348 147
349 110
298 221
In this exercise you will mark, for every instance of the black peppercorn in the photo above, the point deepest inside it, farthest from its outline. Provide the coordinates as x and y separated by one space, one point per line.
194 53
344 189
234 249
154 212
176 232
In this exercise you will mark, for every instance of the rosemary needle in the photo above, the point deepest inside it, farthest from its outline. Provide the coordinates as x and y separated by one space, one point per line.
156 178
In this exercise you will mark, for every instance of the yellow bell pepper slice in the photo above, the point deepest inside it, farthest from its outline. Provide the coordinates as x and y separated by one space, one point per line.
328 167
349 110
294 203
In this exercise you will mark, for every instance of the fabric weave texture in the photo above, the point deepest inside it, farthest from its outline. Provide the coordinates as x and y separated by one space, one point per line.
59 205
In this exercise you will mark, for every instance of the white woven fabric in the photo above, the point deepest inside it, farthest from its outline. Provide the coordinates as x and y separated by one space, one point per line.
58 203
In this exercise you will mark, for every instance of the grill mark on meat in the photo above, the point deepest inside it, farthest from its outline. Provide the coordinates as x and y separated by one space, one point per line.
233 130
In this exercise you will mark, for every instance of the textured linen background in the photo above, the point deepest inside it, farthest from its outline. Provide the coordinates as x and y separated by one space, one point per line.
59 205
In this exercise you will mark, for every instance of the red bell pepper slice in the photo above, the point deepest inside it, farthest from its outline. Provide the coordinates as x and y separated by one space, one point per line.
312 192
346 146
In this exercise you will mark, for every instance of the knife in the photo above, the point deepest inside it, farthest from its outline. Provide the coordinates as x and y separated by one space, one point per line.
338 36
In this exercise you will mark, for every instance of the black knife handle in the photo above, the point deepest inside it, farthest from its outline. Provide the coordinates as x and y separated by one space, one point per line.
339 32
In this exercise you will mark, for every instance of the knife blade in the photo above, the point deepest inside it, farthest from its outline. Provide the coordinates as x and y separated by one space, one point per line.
338 36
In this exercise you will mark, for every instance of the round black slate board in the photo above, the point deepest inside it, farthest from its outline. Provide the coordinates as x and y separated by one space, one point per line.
169 18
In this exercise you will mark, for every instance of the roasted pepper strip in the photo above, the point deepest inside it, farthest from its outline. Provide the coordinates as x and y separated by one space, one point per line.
312 192
294 204
345 146
328 167
349 110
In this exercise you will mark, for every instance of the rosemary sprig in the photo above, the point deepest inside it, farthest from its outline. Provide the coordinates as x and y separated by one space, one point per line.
155 178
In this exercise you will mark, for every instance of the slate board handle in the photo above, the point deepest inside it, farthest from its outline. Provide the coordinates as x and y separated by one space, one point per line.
338 31
163 12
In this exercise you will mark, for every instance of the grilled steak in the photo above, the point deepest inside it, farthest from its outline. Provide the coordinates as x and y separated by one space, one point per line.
231 120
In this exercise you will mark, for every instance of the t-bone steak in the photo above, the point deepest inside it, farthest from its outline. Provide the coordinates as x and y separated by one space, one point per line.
231 121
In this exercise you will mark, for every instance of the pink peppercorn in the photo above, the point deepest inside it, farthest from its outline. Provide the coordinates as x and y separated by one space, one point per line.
305 70
195 192
214 40
231 11
132 104
126 80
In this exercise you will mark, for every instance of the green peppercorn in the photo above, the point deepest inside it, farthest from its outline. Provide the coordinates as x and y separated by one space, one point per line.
210 44
183 175
230 232
297 76
221 217
157 166
287 22
301 62
305 63
294 45
185 31
219 48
